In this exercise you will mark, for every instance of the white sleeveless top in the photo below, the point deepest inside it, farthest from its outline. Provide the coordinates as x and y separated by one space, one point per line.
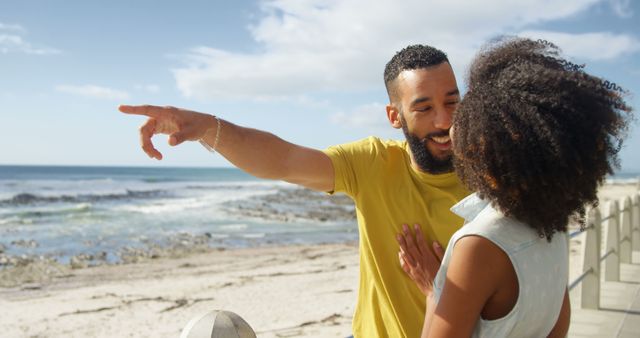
541 268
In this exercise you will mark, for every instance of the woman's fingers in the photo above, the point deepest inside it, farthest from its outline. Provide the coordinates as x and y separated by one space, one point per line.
410 244
420 242
438 250
419 260
404 249
404 265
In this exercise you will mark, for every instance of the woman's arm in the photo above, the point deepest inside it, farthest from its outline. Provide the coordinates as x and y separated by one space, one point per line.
428 317
476 269
561 328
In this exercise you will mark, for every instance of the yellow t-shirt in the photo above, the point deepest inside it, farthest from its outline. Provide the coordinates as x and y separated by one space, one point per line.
388 192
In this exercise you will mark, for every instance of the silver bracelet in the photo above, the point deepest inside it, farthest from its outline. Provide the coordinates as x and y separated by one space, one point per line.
215 141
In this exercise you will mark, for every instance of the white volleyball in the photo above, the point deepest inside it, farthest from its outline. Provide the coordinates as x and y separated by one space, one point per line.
218 324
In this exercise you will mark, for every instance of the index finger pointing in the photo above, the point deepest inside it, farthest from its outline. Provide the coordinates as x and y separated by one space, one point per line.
146 110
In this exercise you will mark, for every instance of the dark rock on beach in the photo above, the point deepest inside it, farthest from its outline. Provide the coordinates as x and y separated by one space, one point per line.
177 246
25 243
295 205
82 261
20 270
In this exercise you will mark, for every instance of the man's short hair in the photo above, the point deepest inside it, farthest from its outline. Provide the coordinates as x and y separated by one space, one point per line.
410 58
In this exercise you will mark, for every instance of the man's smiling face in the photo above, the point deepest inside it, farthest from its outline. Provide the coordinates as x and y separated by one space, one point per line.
426 100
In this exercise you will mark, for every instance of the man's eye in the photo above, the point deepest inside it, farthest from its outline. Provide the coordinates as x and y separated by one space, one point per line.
423 109
452 103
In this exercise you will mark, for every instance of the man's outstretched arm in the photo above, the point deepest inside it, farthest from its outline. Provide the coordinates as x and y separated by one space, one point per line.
259 153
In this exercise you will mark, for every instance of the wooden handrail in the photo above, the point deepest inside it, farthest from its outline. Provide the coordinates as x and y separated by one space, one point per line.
622 236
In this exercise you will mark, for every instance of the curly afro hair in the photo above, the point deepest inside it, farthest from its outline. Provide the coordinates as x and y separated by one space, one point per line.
535 134
410 58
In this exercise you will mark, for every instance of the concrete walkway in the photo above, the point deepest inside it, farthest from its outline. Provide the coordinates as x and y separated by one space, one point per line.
619 313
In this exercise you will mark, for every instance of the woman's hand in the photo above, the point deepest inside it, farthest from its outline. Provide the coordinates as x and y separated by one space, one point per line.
416 258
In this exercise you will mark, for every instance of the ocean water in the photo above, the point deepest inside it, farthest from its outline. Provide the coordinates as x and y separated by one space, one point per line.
60 212
624 177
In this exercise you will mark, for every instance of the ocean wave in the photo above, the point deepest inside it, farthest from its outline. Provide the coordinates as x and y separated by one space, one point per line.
157 180
166 206
254 235
32 199
12 220
253 185
624 180
77 209
30 215
233 227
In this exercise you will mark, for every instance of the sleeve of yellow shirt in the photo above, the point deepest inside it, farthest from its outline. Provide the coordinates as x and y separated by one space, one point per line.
349 159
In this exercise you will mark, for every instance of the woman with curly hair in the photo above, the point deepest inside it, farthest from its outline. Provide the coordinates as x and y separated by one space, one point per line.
534 137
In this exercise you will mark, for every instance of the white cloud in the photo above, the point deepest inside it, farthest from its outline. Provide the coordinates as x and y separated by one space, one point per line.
308 46
11 41
590 46
93 91
371 117
11 27
622 8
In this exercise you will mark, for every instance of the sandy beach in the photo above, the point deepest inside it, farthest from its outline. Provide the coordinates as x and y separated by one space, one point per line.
285 291
281 291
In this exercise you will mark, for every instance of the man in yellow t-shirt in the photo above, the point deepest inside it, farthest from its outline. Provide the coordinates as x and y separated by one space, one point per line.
392 183
388 192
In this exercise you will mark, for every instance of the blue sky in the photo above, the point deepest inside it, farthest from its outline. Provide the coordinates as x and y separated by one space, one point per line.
309 71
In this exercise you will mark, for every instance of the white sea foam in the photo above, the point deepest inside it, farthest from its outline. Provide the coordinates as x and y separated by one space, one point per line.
254 235
198 199
10 220
52 188
233 227
629 180
164 206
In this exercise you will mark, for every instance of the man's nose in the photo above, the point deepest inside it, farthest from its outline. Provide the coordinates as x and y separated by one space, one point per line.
443 119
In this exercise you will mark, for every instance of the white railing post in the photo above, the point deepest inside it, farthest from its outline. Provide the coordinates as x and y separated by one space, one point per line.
591 262
635 223
612 240
625 231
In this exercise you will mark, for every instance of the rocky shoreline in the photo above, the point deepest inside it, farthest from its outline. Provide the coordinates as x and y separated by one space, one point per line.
286 205
16 270
295 205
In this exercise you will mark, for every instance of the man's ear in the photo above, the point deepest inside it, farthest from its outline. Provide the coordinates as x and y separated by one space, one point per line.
393 114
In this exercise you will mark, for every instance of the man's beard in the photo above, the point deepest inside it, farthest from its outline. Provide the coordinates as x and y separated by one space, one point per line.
421 154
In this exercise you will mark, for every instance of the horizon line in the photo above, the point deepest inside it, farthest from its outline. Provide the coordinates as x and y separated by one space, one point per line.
621 171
